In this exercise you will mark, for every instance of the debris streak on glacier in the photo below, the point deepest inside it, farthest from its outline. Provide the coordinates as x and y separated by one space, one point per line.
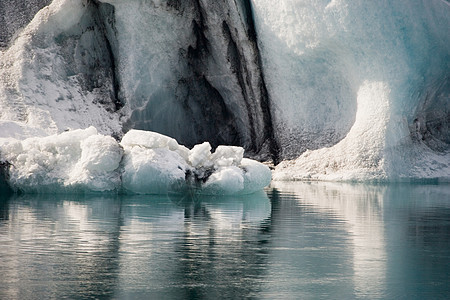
335 90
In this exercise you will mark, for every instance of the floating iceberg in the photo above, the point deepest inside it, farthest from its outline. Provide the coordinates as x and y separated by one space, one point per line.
144 162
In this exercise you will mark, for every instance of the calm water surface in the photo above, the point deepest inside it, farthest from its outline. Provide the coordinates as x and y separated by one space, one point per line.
292 241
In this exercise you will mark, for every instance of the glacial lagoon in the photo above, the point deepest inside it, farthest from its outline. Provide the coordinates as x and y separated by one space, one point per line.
297 240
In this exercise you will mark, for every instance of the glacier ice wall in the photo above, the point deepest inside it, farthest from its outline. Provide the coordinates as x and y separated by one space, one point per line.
16 14
368 83
190 69
346 89
58 75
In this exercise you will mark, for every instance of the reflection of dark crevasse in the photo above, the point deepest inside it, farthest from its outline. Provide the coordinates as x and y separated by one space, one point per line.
203 259
430 228
100 271
111 263
4 206
268 226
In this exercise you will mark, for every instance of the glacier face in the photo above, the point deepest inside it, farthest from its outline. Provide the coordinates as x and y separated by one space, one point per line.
57 75
339 90
368 80
14 15
194 61
189 69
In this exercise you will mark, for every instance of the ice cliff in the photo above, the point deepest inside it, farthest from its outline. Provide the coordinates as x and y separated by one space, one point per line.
365 83
334 90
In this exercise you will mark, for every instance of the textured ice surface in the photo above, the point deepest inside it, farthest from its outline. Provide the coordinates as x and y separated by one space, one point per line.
356 90
57 75
190 61
367 82
143 162
15 15
154 163
72 161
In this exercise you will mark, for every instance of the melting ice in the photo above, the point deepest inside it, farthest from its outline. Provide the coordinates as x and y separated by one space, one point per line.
144 162
335 90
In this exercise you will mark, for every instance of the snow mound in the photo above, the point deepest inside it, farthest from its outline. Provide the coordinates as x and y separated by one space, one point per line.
143 162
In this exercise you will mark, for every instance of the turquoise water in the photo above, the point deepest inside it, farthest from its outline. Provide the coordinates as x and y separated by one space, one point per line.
291 241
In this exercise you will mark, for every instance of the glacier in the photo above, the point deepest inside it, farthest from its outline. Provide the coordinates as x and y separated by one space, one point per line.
325 90
368 95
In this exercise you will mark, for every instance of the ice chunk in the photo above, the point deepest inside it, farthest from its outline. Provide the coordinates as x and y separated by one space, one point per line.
100 153
148 139
144 162
249 177
226 156
95 170
153 163
152 171
226 180
200 156
256 175
75 160
153 140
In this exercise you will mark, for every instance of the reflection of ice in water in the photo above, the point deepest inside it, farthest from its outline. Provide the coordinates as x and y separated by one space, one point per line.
70 245
311 240
361 206
197 243
112 244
